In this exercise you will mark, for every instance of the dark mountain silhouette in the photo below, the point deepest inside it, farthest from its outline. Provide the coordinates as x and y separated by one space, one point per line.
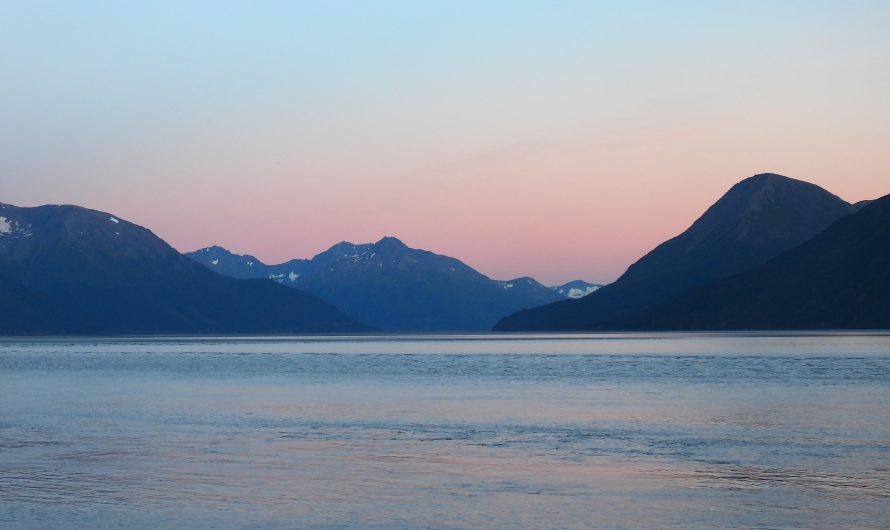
392 286
70 270
840 279
757 219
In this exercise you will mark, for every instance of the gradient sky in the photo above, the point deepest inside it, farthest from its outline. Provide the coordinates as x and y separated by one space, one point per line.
556 139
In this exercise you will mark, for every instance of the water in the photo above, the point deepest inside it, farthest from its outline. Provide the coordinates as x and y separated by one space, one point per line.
614 431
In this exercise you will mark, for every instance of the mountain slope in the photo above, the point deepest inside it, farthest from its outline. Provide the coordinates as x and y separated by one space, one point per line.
840 279
394 287
69 270
757 219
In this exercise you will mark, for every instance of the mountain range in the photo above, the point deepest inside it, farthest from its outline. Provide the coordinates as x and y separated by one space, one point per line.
758 219
70 270
772 253
394 287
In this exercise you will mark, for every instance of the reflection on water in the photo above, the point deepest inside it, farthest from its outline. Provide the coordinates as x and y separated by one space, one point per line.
458 432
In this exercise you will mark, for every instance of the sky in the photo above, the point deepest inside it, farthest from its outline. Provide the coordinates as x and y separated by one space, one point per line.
555 139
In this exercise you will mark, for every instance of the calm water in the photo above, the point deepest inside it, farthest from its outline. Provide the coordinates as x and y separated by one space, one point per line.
616 431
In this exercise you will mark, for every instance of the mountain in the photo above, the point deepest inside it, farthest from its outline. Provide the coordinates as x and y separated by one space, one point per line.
757 219
861 204
70 270
840 279
576 289
392 286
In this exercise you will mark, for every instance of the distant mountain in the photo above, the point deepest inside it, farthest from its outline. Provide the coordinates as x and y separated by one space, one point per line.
70 270
576 289
757 219
861 204
840 279
392 286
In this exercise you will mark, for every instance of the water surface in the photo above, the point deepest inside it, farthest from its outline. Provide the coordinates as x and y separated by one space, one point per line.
569 431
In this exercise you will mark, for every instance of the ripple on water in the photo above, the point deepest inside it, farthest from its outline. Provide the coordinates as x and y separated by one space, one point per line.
627 432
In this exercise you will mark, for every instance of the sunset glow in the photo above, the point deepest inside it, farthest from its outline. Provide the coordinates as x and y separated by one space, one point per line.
557 140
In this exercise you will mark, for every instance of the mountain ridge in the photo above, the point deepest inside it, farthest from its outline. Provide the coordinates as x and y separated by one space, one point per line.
393 286
65 269
755 220
839 279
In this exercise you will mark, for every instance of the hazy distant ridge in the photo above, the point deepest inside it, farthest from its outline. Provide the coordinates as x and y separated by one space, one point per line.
392 286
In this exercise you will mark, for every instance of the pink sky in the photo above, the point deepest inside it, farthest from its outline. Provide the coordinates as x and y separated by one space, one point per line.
570 155
556 212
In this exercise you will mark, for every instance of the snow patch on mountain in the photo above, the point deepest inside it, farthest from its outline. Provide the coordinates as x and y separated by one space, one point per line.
576 289
581 293
11 228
